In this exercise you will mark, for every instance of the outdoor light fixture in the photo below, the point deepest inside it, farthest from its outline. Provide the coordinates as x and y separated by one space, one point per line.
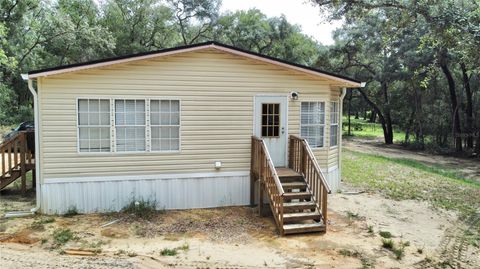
218 165
294 95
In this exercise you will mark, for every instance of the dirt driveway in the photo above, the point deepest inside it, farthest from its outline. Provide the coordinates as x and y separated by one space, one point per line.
236 237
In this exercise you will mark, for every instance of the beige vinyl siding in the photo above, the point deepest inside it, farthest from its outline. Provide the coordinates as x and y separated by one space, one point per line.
216 90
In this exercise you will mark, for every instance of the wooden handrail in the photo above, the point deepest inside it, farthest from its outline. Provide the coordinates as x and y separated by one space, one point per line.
262 168
15 155
303 161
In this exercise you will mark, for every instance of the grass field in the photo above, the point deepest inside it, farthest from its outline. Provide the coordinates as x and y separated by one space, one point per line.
364 129
402 179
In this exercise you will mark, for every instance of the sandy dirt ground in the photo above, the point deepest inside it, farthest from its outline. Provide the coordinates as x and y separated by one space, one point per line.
237 237
468 167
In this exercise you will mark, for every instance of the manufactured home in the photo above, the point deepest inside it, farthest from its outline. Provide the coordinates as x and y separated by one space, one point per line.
206 125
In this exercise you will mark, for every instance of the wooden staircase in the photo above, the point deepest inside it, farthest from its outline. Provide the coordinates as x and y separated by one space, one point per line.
298 194
300 213
17 156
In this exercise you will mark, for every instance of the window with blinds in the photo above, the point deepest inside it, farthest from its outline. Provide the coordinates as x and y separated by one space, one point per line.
312 125
165 125
130 125
94 125
334 115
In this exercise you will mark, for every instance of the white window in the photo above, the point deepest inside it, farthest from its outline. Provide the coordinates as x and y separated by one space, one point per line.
165 125
312 125
130 125
334 115
94 125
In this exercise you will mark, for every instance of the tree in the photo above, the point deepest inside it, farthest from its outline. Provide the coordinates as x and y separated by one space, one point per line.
194 18
448 33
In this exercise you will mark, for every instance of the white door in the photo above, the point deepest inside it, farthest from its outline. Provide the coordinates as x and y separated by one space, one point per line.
271 125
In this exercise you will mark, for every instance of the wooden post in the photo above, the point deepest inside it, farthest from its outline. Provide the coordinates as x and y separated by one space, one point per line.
252 174
260 197
324 205
23 149
34 180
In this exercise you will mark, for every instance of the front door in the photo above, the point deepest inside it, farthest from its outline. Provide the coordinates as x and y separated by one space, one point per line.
271 126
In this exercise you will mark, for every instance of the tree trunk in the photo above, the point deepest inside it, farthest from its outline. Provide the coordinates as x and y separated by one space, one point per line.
349 133
409 126
420 138
373 116
469 108
388 118
378 112
477 147
453 99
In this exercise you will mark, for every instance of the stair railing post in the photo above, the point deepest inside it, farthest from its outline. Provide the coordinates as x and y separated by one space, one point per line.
23 150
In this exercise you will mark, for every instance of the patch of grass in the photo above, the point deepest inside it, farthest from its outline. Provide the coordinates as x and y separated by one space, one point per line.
387 243
370 229
366 263
3 228
169 252
62 236
399 252
39 225
397 249
409 179
349 253
420 250
353 216
364 129
385 234
144 209
71 211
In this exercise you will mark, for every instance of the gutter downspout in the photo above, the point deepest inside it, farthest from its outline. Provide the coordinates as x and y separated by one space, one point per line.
37 142
340 131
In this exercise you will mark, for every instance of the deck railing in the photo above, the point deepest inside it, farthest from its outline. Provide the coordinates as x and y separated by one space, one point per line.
302 160
262 168
16 156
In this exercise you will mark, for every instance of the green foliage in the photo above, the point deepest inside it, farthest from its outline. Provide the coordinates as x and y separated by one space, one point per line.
168 252
400 181
387 243
144 209
62 236
385 234
71 211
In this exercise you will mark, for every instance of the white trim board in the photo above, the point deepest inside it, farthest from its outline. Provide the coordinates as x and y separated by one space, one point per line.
144 177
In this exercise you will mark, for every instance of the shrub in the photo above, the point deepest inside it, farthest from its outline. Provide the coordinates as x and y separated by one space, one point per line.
142 209
71 211
62 236
387 243
385 234
168 252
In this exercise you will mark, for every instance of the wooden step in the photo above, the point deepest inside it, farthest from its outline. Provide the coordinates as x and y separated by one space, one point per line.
304 228
292 206
294 185
294 217
297 195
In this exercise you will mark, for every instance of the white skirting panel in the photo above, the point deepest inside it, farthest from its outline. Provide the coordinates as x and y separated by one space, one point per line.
177 192
333 178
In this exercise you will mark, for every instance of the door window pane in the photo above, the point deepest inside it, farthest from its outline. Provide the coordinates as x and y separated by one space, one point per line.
270 120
